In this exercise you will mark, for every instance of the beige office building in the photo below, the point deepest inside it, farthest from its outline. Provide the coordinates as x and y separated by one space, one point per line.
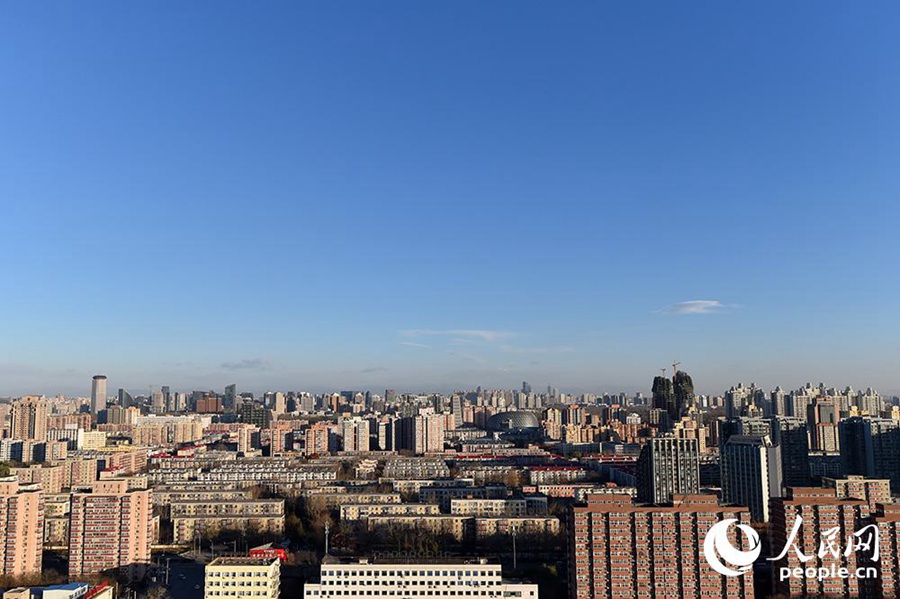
246 577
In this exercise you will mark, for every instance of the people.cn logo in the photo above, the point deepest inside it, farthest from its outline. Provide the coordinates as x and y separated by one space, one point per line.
718 549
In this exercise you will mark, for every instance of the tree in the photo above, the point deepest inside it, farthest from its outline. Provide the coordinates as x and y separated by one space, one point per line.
155 592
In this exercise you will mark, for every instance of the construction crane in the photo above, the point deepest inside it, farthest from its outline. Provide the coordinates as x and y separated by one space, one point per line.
675 367
663 370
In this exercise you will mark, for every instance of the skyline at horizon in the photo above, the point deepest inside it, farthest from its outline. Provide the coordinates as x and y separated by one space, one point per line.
433 197
538 388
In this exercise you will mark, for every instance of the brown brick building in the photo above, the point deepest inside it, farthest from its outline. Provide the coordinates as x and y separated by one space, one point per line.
621 550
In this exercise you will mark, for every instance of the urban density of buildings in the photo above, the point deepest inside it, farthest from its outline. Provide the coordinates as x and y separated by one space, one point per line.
479 493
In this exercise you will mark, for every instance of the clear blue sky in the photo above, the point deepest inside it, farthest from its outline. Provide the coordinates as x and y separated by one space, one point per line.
425 195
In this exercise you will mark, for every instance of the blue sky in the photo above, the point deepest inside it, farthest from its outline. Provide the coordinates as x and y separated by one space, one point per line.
429 195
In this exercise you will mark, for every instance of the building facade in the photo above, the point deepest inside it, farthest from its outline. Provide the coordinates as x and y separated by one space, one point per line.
21 528
437 579
111 528
620 550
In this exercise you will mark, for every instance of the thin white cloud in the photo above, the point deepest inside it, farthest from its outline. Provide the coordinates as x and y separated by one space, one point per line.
414 344
483 335
696 307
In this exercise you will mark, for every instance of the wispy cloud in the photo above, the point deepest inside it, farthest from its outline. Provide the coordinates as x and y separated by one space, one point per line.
373 369
414 344
696 307
483 335
246 364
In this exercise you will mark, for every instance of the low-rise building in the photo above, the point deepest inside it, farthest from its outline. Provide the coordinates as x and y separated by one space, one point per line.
355 511
439 579
191 519
248 577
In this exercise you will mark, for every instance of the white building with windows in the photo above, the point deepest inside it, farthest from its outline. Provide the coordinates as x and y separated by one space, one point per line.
245 577
425 579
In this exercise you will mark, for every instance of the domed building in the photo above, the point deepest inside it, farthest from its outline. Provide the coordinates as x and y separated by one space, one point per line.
508 422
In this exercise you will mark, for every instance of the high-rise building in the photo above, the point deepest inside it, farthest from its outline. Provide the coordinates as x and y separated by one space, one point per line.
871 447
420 434
158 402
28 418
820 512
664 400
822 417
98 393
21 528
254 413
124 398
777 399
683 394
743 425
394 579
871 490
887 519
355 432
110 528
618 549
789 433
229 399
250 577
668 466
751 473
279 404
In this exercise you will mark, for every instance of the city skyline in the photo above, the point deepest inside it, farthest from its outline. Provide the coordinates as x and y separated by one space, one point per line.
536 388
428 196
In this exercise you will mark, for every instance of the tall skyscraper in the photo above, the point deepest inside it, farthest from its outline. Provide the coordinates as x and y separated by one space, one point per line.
664 399
110 528
98 393
28 418
790 435
751 473
21 528
683 394
618 549
668 466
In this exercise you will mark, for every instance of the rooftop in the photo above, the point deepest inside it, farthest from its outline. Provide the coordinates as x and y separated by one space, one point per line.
242 561
397 559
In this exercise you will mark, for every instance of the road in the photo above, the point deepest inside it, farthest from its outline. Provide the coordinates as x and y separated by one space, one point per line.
183 578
